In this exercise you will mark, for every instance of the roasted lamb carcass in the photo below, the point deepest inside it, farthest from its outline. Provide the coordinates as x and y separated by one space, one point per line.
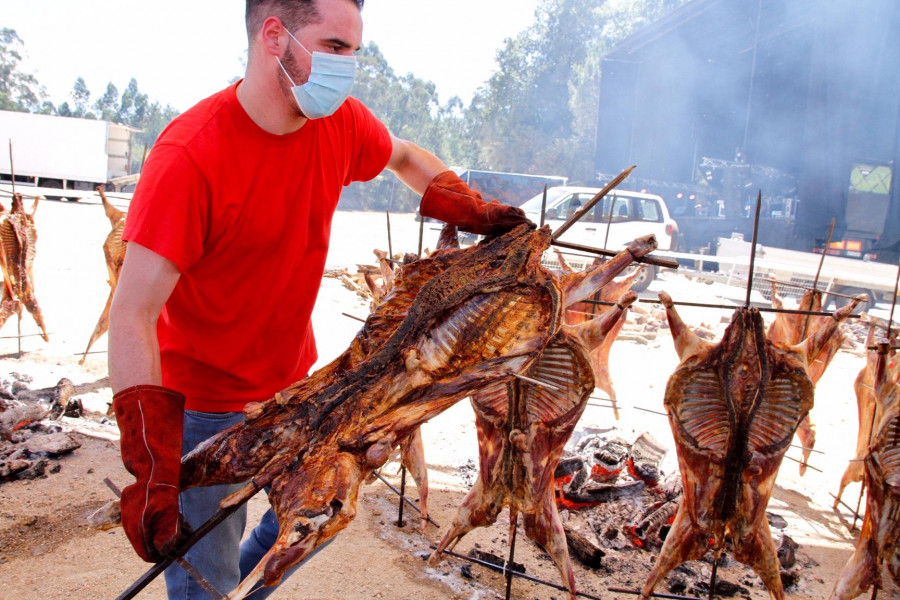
522 429
17 247
114 252
879 539
583 311
791 329
453 324
868 411
733 408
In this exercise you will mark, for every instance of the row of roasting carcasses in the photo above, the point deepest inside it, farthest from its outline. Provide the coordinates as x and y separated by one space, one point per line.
733 407
490 323
18 238
699 409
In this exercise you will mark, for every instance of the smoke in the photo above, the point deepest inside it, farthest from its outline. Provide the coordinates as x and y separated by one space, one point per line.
797 91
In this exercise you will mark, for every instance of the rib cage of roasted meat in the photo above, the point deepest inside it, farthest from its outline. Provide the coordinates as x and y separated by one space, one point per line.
733 408
114 252
522 430
791 329
18 238
880 534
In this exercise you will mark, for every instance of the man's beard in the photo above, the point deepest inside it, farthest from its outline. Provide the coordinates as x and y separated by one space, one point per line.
292 66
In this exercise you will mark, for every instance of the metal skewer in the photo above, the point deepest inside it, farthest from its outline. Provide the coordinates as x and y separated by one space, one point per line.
544 205
593 201
816 280
728 307
507 568
402 495
387 214
404 498
534 381
649 259
803 463
753 249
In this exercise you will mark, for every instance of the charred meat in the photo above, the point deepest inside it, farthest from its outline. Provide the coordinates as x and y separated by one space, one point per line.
879 540
733 408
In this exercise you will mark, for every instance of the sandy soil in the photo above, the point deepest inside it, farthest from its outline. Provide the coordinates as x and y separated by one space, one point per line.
47 550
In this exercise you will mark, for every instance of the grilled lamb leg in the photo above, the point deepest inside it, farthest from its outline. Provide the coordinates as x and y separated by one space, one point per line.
879 539
412 456
868 413
582 311
792 328
733 408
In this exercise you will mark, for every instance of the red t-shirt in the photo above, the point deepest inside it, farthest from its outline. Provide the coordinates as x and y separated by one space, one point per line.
245 215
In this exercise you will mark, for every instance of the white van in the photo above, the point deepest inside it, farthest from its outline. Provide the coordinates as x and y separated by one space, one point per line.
634 214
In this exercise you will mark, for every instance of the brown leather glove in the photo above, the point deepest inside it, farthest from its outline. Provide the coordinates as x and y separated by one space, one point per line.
449 199
151 421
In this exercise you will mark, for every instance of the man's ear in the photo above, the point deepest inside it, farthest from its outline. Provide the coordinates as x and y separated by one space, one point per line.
273 36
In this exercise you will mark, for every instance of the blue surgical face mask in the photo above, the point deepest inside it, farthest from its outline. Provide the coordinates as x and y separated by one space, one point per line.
330 79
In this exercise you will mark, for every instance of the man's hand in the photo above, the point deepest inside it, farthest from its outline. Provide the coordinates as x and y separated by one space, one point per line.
449 199
151 421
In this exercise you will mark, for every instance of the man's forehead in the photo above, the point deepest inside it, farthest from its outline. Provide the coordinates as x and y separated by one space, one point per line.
340 22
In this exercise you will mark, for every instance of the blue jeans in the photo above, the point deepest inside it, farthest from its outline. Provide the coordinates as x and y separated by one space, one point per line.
220 557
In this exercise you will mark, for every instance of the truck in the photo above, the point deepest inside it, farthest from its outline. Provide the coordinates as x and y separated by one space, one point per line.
63 153
508 188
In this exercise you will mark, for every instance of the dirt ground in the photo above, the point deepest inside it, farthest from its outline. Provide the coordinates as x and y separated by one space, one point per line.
48 551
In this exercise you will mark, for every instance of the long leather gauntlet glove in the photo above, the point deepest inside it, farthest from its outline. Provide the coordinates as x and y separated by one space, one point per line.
449 199
151 422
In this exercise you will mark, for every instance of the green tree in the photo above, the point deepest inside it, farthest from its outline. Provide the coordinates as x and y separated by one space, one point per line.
410 109
107 106
539 110
81 100
18 91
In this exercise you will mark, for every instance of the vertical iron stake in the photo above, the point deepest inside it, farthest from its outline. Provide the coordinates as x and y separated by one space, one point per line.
815 285
893 304
712 579
421 230
612 204
544 205
512 552
402 495
387 214
12 170
753 249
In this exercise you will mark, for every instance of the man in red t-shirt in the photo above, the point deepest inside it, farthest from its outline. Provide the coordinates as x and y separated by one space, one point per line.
228 233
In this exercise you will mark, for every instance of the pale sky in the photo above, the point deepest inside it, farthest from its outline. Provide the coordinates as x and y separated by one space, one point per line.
181 51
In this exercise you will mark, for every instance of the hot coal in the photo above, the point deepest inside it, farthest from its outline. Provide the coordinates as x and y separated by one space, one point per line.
29 437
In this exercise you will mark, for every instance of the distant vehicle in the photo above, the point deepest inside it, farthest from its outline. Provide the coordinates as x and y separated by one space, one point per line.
634 214
64 153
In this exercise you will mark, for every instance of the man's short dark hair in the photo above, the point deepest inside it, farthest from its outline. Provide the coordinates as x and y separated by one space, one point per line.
293 13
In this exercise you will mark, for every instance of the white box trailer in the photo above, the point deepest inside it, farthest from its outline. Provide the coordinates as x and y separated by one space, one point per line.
62 152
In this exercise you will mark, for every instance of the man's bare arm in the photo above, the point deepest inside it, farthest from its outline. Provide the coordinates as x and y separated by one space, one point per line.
145 283
415 166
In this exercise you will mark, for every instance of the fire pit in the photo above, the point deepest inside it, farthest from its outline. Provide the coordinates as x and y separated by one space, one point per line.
30 436
617 504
